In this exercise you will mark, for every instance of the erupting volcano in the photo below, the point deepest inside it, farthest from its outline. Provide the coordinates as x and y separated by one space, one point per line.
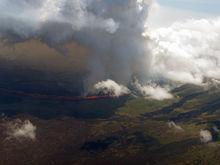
54 97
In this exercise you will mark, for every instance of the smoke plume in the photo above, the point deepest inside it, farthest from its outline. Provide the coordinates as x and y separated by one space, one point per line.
35 17
119 44
152 91
109 87
111 30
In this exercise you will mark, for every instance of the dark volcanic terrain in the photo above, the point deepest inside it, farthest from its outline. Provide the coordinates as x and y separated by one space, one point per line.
114 131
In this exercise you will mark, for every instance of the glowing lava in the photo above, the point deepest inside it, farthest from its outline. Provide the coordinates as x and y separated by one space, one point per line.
54 97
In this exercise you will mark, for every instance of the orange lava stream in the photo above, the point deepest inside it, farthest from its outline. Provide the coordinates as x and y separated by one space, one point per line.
54 97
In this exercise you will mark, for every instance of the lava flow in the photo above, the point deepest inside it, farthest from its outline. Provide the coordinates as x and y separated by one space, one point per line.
54 97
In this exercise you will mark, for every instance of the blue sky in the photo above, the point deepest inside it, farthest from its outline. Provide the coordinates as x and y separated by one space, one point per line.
202 6
170 11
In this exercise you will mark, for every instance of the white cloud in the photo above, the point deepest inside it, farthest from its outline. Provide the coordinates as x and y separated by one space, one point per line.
187 52
152 91
112 88
19 129
175 126
205 136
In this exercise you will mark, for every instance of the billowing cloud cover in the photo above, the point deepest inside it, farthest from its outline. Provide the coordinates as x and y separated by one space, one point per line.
21 130
111 88
205 136
187 51
32 16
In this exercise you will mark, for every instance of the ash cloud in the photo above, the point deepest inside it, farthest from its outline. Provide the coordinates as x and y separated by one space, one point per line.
120 44
27 19
111 29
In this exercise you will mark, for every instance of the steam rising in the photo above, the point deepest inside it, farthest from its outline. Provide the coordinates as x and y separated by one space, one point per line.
173 125
111 88
152 91
205 136
18 129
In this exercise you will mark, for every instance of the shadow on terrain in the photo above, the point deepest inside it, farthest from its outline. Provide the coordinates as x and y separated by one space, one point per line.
12 105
